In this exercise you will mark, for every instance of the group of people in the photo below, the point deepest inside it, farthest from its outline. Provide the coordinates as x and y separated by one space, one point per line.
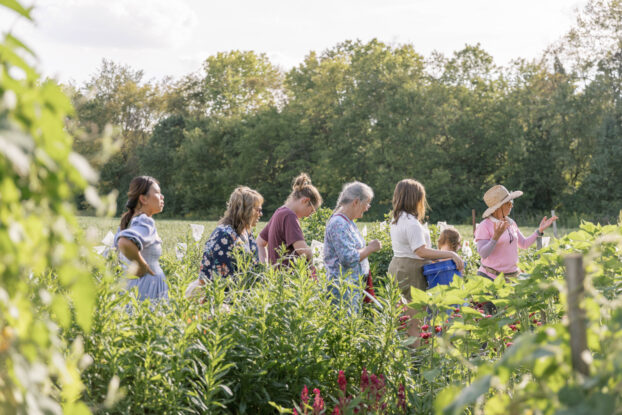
345 250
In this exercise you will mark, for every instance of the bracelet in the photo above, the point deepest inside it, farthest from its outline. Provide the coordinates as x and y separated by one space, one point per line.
539 233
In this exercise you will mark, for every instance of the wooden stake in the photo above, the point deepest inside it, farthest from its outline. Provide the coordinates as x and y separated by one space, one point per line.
576 315
554 225
473 219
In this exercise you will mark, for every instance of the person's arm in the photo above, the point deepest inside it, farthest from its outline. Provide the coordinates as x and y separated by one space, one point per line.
373 246
130 250
431 253
262 249
485 247
343 243
302 248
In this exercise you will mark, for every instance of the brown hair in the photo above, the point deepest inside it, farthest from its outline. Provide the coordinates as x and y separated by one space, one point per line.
451 237
409 197
139 185
302 187
240 207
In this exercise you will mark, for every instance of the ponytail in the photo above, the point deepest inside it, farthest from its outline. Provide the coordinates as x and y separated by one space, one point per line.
139 185
302 187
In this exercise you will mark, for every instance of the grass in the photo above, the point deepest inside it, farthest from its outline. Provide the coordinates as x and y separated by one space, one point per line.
173 231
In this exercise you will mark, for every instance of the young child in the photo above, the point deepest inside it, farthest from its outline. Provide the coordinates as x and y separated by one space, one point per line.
450 240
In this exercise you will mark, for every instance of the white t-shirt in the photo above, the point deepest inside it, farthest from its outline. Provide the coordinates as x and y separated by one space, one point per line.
408 235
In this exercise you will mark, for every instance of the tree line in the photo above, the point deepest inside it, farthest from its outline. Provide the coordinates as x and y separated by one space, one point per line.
372 112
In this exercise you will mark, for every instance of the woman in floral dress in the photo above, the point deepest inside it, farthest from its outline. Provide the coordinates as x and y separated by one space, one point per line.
233 230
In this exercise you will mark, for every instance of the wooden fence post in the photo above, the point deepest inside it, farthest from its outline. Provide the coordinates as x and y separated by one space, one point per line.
576 315
473 220
554 225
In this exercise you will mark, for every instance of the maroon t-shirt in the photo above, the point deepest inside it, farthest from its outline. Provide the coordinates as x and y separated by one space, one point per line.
282 229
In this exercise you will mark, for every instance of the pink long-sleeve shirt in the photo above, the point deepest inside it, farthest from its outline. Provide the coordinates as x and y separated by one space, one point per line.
502 255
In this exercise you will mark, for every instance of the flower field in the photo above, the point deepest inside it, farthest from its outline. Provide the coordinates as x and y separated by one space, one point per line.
272 341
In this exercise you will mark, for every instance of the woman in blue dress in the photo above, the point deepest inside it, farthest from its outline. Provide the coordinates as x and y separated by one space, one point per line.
138 241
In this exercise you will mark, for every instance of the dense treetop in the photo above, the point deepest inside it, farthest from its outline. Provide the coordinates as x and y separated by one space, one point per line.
377 113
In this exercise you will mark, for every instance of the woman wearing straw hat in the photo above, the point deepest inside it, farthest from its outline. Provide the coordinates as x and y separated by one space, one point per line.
498 237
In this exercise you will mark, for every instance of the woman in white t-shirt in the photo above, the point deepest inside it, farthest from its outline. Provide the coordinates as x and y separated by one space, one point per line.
411 242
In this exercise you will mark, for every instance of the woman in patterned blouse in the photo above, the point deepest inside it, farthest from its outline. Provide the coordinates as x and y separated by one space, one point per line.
345 251
233 230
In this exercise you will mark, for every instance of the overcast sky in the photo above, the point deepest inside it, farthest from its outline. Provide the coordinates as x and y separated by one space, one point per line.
173 37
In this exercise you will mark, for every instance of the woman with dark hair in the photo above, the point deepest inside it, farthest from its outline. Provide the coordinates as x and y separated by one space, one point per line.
233 230
137 238
283 231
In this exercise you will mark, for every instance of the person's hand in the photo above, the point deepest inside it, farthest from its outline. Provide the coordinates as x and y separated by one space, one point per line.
144 269
375 245
545 223
500 227
459 263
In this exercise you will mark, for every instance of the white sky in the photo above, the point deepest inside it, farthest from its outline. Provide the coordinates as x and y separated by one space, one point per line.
173 37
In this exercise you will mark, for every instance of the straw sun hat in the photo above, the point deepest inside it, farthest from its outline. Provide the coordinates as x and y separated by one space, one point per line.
496 196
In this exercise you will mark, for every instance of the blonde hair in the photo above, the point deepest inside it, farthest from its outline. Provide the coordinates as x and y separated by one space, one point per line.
451 237
302 187
240 206
409 197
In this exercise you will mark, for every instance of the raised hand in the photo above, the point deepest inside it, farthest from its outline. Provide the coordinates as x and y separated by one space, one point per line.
500 227
545 223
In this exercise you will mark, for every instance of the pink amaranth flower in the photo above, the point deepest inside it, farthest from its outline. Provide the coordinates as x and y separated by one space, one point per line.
342 381
438 329
318 403
295 411
364 380
401 398
304 395
425 327
336 411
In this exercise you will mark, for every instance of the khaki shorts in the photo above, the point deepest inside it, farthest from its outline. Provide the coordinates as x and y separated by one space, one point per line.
409 273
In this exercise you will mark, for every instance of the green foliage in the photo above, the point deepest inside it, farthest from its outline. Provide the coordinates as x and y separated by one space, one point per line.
46 282
535 373
255 342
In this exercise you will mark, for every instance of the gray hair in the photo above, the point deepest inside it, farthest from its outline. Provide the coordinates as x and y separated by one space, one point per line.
352 191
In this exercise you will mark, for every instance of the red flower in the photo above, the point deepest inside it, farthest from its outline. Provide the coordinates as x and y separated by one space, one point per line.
304 395
336 411
513 327
532 314
457 310
425 327
488 316
425 335
401 397
364 380
508 344
458 315
318 403
538 323
295 411
342 381
438 329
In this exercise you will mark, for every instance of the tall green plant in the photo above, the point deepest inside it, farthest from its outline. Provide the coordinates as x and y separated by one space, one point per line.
46 283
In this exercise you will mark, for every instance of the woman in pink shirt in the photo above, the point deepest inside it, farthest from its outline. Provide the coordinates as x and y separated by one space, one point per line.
498 237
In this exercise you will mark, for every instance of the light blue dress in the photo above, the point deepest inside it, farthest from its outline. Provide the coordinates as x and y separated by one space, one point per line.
143 233
342 241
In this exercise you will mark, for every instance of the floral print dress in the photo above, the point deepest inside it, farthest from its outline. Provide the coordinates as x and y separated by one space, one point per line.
342 241
218 258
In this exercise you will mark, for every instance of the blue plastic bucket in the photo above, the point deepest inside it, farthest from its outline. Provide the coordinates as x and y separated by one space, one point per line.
440 273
